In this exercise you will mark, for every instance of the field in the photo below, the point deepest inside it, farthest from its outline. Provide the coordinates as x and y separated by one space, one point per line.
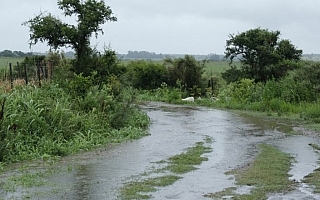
216 67
212 67
4 61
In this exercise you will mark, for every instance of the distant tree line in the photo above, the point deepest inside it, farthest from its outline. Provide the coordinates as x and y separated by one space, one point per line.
143 54
152 55
9 53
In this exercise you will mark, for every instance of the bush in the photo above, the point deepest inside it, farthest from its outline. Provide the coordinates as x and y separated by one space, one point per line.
238 92
145 74
312 112
50 121
232 75
187 72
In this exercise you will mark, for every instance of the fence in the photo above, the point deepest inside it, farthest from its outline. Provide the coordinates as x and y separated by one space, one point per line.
35 73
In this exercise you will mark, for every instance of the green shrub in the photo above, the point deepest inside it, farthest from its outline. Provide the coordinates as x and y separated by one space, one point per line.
48 121
312 112
145 74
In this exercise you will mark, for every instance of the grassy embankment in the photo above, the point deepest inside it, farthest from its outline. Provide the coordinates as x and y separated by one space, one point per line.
53 121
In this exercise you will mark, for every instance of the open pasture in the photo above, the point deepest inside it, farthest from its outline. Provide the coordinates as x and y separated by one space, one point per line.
217 67
4 61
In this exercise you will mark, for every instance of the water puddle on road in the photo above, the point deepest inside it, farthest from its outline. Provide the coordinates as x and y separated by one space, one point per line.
101 173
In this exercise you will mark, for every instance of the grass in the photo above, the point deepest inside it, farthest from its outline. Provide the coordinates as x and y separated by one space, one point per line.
216 67
28 180
313 179
4 61
48 122
220 194
176 165
134 190
268 173
184 162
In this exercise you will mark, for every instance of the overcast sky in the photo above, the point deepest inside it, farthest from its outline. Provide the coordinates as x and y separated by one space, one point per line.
175 26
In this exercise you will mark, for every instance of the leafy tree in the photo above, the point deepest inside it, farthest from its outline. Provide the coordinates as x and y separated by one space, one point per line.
7 53
108 66
146 74
262 54
186 71
90 14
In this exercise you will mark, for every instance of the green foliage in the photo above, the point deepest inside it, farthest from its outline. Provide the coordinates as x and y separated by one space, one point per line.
262 55
239 91
312 113
313 180
302 85
232 75
268 173
108 65
79 85
187 71
90 16
145 74
165 94
50 121
177 164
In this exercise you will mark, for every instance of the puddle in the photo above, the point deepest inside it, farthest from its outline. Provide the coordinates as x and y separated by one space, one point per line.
100 174
306 161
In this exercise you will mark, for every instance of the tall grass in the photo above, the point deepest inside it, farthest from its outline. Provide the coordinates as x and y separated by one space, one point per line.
49 121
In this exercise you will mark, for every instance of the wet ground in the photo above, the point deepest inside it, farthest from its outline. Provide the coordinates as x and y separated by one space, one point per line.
101 173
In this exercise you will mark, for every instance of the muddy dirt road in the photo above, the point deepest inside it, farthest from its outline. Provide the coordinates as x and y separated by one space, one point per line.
101 173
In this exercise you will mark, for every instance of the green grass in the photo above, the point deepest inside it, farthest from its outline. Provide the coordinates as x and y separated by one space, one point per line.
216 67
47 122
313 179
177 164
269 170
4 62
184 162
268 173
134 190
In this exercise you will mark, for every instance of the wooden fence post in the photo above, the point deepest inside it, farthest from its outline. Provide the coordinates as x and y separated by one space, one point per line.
11 76
19 70
25 73
38 72
50 74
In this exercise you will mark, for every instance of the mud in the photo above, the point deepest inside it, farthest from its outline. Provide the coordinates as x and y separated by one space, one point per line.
101 173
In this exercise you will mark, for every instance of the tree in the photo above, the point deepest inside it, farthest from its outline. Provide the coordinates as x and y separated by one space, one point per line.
90 15
262 54
146 74
187 71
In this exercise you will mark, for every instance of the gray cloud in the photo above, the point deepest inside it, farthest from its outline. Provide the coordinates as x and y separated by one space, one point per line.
179 26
